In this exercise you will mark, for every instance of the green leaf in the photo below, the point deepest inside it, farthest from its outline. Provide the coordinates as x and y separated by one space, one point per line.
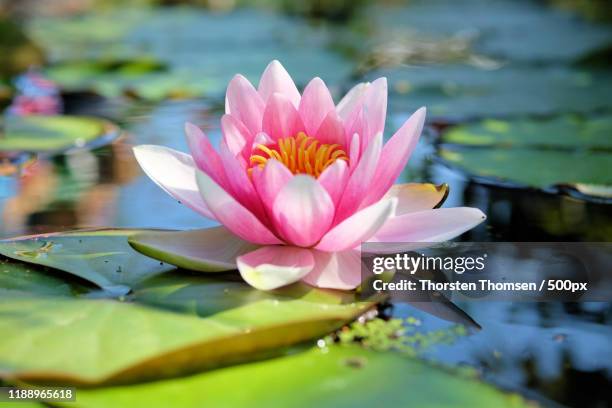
102 257
87 341
207 250
338 376
50 134
17 279
561 132
532 168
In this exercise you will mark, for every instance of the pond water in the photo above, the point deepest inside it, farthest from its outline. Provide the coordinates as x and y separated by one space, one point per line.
481 67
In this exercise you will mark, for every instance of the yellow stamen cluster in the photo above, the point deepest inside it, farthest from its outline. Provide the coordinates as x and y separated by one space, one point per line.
301 154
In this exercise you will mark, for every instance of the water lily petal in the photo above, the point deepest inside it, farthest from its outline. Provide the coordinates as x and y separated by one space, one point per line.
244 103
412 197
334 179
335 270
351 100
174 172
331 130
206 250
435 225
354 150
270 180
360 180
280 118
395 155
232 214
236 136
271 267
358 228
276 79
303 211
204 154
374 111
239 183
315 105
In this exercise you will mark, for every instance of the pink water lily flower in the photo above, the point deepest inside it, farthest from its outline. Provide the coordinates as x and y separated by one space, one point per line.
304 180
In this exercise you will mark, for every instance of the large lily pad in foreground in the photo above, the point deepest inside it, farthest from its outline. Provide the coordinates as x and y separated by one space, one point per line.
18 279
51 134
333 377
87 341
102 257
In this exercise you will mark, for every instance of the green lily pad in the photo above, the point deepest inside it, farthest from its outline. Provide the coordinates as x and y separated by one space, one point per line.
564 154
85 341
456 92
17 279
522 167
102 257
51 134
208 250
338 376
561 132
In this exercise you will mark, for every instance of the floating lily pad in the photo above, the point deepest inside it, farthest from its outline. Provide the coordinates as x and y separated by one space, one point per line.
554 154
521 167
51 134
338 376
144 78
456 92
562 132
86 341
17 279
102 257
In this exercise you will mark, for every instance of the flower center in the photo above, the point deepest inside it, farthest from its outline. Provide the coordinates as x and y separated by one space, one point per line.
301 154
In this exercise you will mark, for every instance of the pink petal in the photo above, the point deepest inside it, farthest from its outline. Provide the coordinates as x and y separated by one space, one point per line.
174 172
355 125
354 150
271 267
374 110
331 130
303 211
351 100
335 270
358 228
276 79
395 155
244 103
236 136
436 225
315 105
280 118
334 179
239 183
270 180
413 197
204 154
360 180
232 214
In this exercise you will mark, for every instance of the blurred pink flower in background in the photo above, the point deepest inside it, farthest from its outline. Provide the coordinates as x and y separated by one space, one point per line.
36 95
306 180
